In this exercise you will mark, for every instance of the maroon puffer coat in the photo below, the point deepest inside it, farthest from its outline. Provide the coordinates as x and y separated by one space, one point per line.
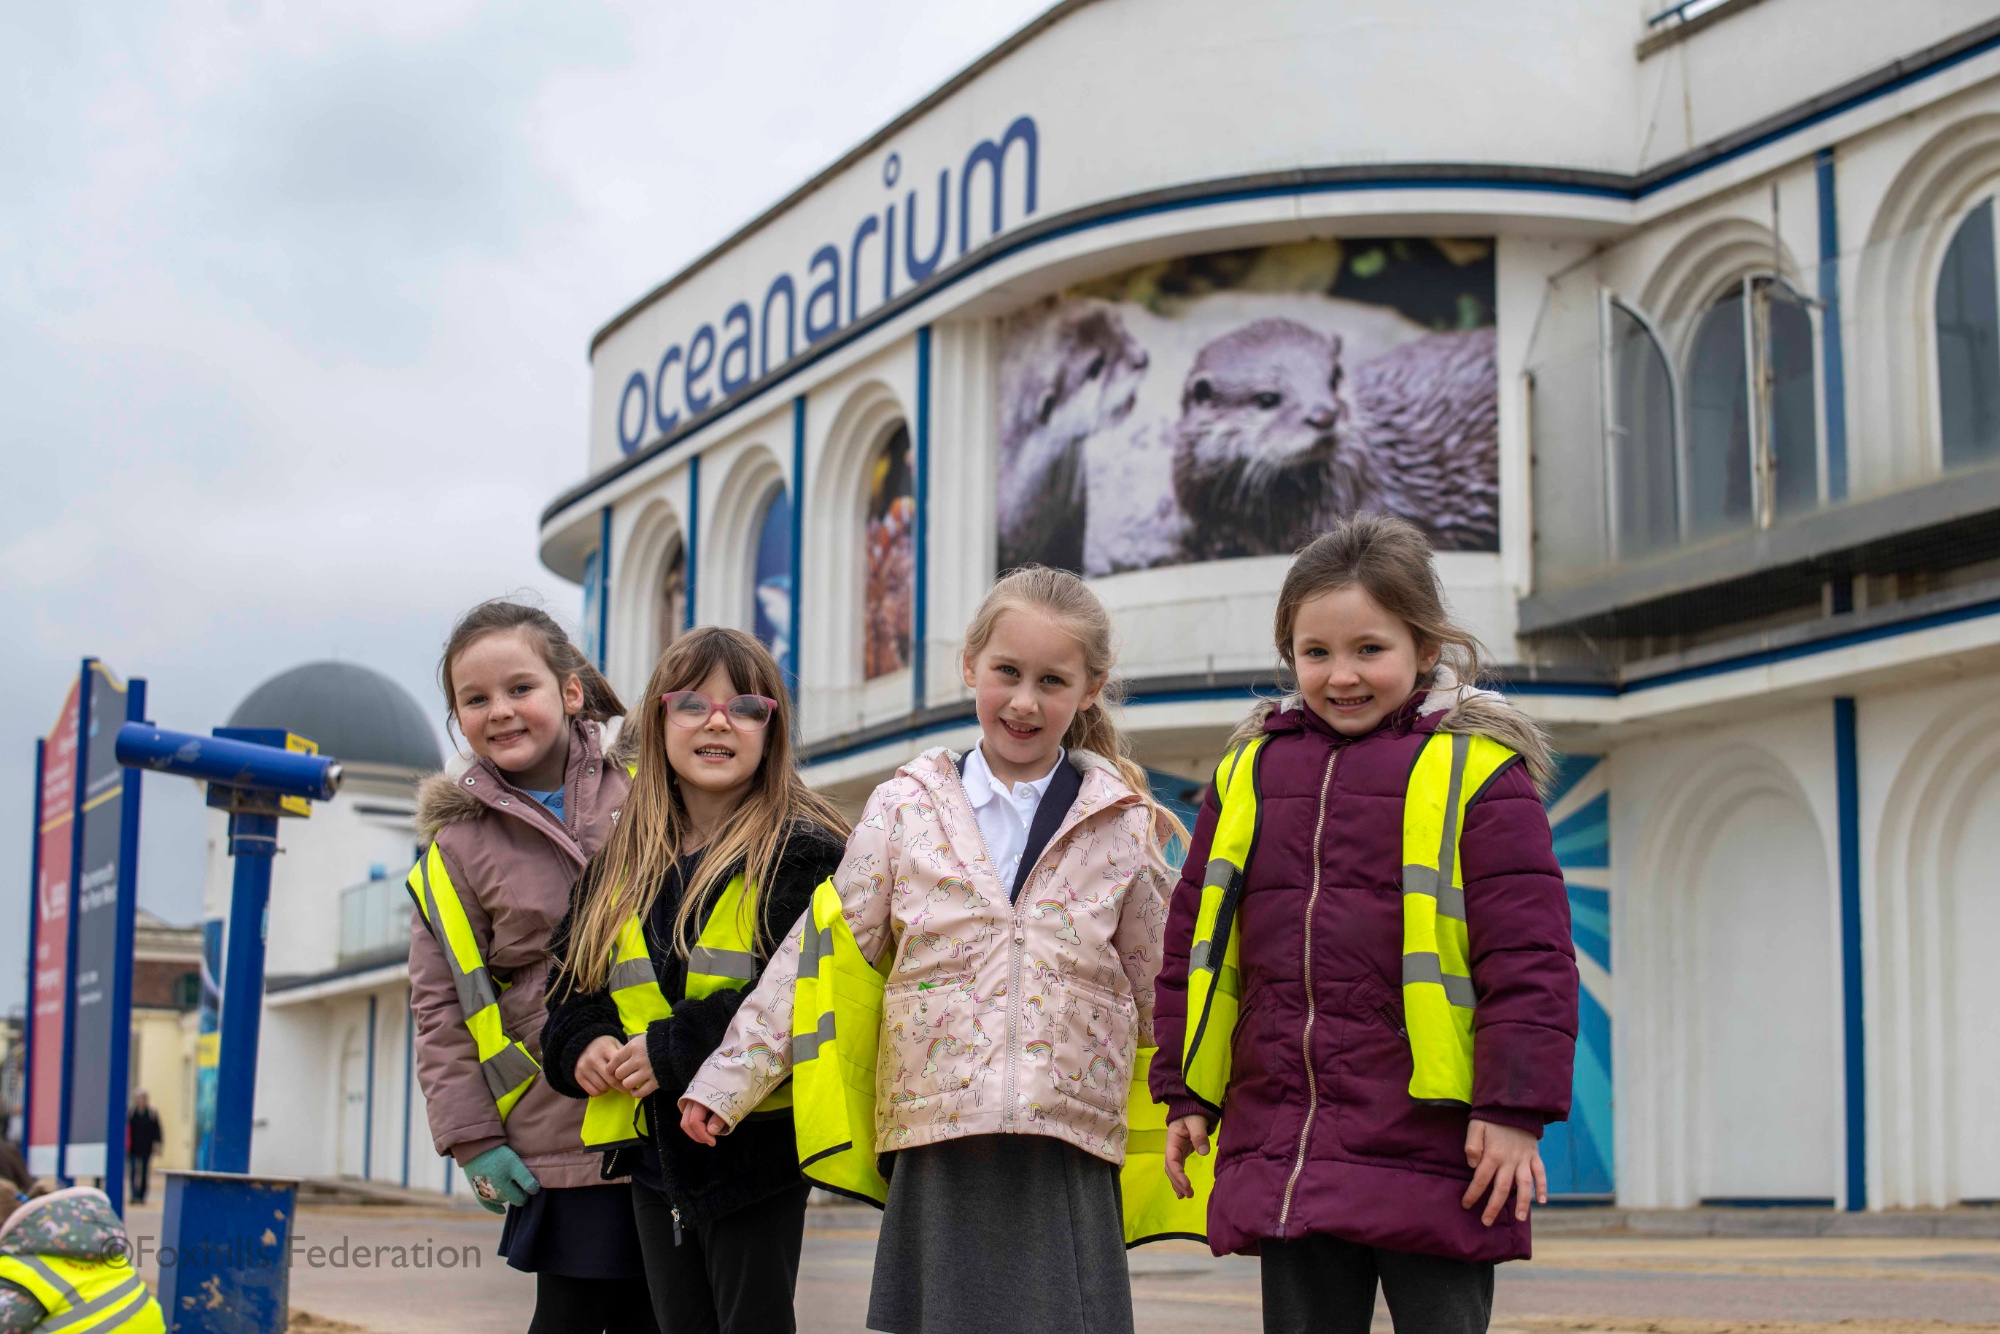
1348 1153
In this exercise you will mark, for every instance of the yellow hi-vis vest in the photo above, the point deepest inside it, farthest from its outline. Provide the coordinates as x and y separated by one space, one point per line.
1438 1000
836 1034
503 1061
85 1296
724 958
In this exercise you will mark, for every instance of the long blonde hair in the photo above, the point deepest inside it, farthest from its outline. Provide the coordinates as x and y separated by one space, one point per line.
625 877
1067 600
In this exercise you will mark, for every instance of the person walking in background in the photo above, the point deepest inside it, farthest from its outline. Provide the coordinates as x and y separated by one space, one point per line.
1014 897
142 1141
1369 977
715 857
507 838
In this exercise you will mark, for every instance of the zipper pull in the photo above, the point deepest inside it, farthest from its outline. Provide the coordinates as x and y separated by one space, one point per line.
1020 935
677 1227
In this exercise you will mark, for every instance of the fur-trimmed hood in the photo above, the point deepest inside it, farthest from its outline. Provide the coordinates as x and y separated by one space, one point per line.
1469 709
445 799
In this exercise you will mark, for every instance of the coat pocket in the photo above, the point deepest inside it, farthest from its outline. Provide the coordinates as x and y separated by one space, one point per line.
921 1060
1090 1054
1377 1116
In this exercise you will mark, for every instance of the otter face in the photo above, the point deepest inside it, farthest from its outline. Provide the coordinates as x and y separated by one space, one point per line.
1267 448
1089 377
1263 398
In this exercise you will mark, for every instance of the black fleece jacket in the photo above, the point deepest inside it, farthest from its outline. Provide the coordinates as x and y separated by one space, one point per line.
760 1158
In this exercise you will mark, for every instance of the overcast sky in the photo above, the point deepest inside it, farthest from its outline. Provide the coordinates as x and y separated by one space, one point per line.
294 309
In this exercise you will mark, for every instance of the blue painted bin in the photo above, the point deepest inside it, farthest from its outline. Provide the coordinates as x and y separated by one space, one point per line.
225 1250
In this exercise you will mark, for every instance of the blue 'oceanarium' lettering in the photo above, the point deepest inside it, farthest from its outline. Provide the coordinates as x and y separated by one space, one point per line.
713 365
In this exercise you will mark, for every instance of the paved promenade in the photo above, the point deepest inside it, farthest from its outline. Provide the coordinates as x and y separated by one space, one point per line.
1639 1284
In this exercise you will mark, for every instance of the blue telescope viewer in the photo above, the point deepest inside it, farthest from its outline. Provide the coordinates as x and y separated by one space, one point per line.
231 1232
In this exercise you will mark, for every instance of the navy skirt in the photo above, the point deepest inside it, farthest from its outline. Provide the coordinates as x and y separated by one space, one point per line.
582 1232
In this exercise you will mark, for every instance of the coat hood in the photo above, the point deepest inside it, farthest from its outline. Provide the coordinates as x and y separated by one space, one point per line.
444 800
76 1224
1447 705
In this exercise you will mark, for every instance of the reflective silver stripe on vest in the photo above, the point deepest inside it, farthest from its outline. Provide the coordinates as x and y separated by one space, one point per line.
507 1069
814 945
1424 880
475 989
1461 751
805 1046
737 965
1198 961
96 1306
1426 968
49 1276
631 973
1221 873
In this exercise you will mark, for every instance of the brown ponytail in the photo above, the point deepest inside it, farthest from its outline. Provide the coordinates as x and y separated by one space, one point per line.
1069 600
564 658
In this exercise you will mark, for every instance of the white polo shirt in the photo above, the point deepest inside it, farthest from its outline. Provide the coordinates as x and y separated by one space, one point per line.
1005 814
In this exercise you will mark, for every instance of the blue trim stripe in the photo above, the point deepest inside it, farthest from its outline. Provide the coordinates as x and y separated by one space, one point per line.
603 627
1847 782
794 643
693 536
368 1102
920 604
409 1061
34 936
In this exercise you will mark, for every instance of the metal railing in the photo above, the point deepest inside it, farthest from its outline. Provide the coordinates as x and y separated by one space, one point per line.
374 919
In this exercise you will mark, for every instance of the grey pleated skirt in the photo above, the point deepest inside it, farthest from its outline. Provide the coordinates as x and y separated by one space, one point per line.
1000 1234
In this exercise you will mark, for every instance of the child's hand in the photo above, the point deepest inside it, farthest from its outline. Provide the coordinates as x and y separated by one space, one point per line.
1189 1134
633 1069
1507 1159
593 1068
700 1124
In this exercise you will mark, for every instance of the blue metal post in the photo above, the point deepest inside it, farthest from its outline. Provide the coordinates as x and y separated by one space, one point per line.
253 839
119 1083
1847 783
1829 295
34 939
921 595
75 874
693 534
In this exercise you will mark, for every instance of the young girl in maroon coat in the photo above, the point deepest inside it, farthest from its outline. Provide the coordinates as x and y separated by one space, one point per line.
1328 1168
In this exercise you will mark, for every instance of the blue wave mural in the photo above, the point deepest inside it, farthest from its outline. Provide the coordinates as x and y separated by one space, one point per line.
1579 1153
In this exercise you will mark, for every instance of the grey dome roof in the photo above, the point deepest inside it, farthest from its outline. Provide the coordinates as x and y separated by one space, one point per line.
353 712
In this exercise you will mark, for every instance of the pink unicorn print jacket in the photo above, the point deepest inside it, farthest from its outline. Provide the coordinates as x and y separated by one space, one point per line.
999 1018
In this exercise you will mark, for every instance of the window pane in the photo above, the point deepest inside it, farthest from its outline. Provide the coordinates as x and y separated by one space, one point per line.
772 596
1968 335
1794 402
1642 433
892 552
1719 421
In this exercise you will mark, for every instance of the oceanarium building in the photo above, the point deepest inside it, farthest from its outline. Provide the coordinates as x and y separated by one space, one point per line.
1679 331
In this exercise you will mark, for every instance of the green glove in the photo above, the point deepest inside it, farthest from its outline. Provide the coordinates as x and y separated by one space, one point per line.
499 1178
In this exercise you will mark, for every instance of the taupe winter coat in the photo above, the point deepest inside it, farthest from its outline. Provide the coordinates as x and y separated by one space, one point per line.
513 862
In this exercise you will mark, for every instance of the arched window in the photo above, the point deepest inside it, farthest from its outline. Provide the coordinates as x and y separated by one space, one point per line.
1968 343
890 542
1644 452
771 591
1753 414
672 610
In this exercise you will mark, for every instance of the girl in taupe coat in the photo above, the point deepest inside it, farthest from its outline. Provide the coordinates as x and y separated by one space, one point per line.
510 835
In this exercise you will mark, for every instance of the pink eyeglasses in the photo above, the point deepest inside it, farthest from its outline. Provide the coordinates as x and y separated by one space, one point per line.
745 713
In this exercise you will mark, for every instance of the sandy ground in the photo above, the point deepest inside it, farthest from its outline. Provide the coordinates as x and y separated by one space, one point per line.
1840 1285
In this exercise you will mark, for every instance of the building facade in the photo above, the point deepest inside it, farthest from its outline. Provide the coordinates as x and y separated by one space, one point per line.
1679 331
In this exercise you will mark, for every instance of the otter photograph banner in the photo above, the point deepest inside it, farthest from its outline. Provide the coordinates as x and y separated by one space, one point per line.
1233 404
